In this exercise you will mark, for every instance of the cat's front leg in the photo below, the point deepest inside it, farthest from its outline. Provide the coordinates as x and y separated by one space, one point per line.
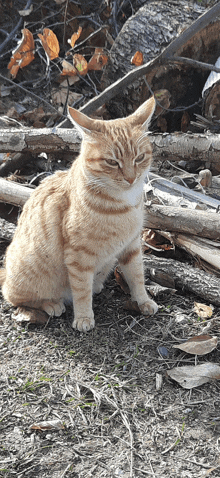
81 282
131 264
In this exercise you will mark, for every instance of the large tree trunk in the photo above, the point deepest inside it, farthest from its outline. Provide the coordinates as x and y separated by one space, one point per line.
151 29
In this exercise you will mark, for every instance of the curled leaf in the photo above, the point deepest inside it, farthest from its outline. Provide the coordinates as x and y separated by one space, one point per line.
137 59
98 60
121 280
48 425
80 64
68 69
75 37
23 53
198 345
50 43
190 377
31 316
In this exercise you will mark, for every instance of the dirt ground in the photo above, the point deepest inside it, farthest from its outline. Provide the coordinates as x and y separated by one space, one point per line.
97 392
101 404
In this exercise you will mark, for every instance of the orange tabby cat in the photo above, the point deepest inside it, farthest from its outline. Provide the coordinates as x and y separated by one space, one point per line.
78 223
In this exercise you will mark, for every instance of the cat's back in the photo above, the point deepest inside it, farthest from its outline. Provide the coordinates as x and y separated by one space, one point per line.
40 222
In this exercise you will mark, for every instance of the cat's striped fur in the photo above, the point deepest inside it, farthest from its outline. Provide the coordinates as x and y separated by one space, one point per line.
76 224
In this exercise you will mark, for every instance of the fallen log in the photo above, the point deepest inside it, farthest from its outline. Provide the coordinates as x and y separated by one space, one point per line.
175 146
14 193
39 140
208 250
183 220
188 147
184 277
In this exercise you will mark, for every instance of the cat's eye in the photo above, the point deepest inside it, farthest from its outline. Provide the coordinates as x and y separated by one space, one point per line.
111 162
140 158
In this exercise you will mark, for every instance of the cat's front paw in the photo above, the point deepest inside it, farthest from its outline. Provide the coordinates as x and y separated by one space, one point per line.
83 324
149 307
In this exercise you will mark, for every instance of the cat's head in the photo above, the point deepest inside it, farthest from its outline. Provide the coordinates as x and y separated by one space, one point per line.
116 151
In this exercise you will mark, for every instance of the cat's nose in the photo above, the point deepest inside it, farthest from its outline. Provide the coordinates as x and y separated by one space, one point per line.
130 180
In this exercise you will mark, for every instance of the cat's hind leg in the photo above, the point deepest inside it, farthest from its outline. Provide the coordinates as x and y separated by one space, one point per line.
101 276
131 264
81 282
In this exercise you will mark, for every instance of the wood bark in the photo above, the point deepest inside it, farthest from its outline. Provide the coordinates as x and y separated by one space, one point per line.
7 230
183 220
39 140
185 277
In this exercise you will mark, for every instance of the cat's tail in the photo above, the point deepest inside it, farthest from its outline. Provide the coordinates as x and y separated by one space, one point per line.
2 276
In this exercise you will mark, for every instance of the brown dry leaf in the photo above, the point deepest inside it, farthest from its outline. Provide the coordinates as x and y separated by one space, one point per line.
190 377
137 59
198 345
202 310
50 43
121 280
23 53
80 64
59 96
98 60
48 425
68 69
132 306
75 37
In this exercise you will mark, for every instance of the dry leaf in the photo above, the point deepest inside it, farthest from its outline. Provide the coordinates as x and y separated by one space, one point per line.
68 69
202 310
98 60
75 37
80 64
50 43
23 53
190 377
48 425
59 96
137 59
31 316
121 280
198 345
132 306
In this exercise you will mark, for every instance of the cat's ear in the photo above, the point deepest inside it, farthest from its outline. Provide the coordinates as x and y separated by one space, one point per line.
142 116
83 123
